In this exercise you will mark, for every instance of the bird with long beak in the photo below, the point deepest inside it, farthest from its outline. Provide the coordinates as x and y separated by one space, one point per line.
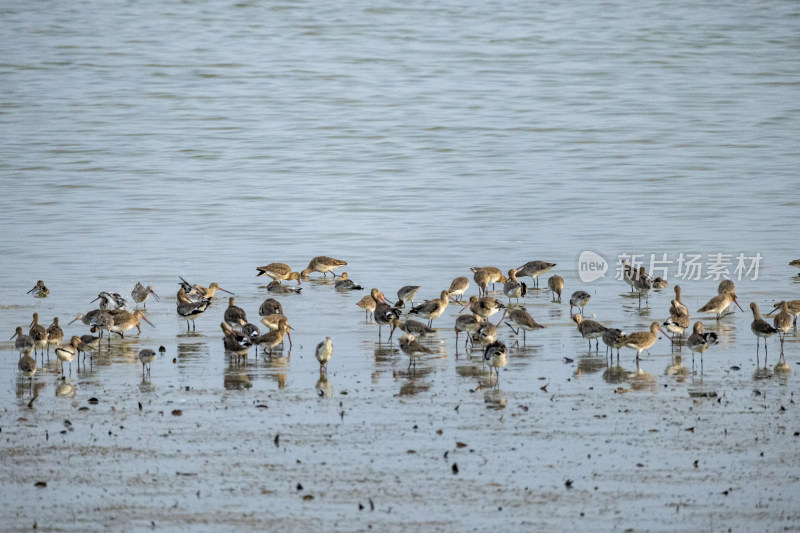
719 304
760 327
125 320
383 313
193 290
793 306
140 293
110 301
66 352
274 323
40 288
643 340
278 272
23 343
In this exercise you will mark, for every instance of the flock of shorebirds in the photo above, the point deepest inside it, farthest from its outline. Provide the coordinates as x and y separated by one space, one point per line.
239 335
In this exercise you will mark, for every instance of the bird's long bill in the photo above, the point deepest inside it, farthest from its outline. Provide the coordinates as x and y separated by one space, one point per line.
739 306
145 319
33 289
14 335
74 319
774 309
93 301
662 331
154 294
504 316
31 324
464 309
223 290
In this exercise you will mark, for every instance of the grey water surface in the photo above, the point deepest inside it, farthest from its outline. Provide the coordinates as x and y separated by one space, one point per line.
140 141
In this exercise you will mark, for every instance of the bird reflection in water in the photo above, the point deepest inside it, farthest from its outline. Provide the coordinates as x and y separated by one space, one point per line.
641 380
146 387
495 399
236 379
614 375
65 389
323 387
677 370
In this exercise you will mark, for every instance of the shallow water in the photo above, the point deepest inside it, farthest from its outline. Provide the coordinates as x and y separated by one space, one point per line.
413 141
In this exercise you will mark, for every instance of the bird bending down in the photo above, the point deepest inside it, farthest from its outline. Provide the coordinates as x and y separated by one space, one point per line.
322 264
278 272
589 329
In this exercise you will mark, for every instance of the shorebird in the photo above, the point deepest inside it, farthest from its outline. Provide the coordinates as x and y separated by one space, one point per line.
643 284
760 327
23 343
87 318
418 329
589 329
699 342
795 263
556 285
195 291
487 333
235 316
513 288
140 293
413 349
278 272
345 284
275 322
783 321
190 309
484 307
468 323
124 321
277 288
323 353
383 313
458 287
481 278
495 355
38 334
524 322
102 321
234 342
27 365
615 339
719 304
66 352
146 357
678 321
270 306
273 338
643 340
89 343
579 299
251 331
534 269
792 307
41 291
322 264
629 274
677 306
406 294
490 275
432 309
54 334
367 303
660 283
110 301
